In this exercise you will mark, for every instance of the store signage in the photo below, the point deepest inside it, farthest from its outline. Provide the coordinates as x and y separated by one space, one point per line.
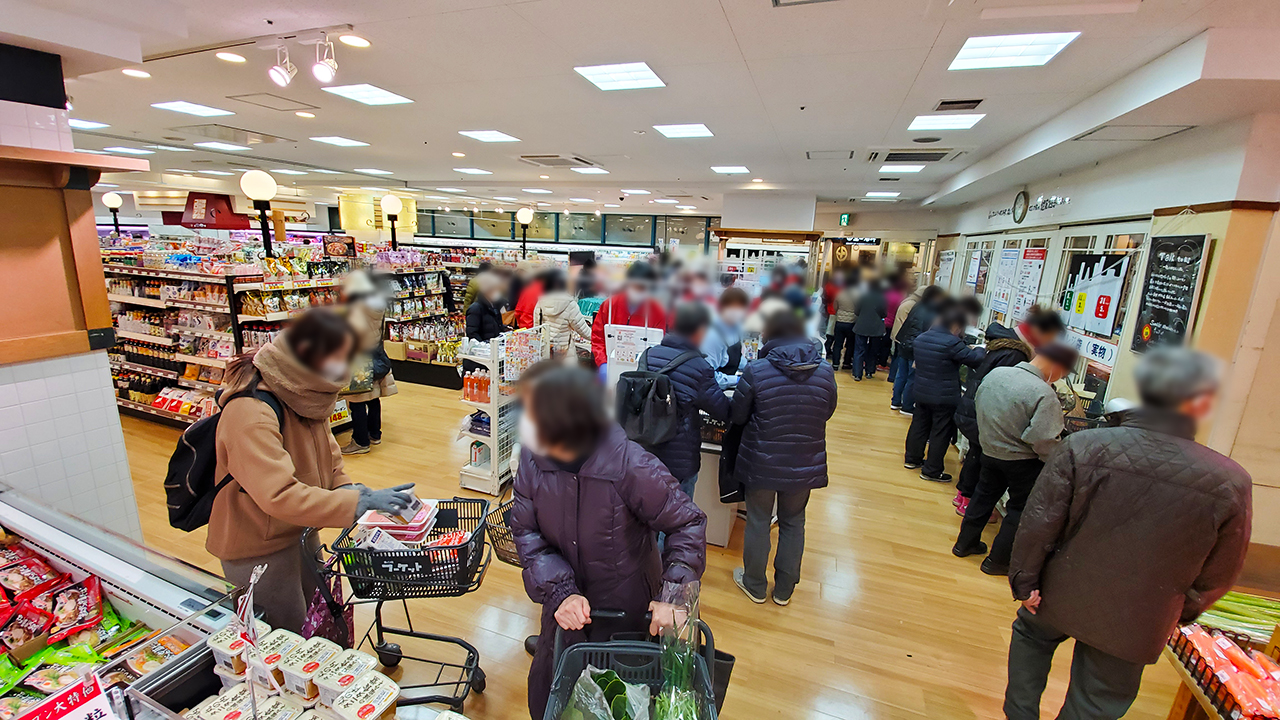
946 263
1095 283
1028 285
862 241
84 700
844 219
1023 206
212 211
1170 292
1091 348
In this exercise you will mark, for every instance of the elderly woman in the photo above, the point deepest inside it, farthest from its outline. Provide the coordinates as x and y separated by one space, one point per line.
484 316
365 310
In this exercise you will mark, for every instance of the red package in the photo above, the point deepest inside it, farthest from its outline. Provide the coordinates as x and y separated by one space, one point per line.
27 578
24 625
76 607
44 601
450 539
14 553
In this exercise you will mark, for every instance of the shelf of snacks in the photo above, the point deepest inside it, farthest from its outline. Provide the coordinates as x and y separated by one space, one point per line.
210 361
199 385
145 370
144 337
153 410
135 300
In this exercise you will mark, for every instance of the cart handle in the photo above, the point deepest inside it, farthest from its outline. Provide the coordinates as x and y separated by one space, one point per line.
708 640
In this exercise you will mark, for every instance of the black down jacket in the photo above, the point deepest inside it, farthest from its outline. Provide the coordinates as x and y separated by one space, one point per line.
785 399
1004 349
938 356
484 321
694 383
1130 531
918 320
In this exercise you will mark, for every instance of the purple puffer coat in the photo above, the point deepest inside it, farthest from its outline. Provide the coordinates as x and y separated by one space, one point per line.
594 534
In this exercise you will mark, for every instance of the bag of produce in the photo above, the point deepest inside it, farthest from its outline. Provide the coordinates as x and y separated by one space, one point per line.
602 695
678 699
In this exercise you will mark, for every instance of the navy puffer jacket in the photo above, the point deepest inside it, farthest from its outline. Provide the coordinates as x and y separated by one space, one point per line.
938 356
694 383
785 399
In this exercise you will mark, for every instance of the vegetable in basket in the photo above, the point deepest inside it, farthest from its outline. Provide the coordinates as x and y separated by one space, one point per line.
678 699
602 695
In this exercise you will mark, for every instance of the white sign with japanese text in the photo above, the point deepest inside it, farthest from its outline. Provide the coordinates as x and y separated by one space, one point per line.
84 700
1091 348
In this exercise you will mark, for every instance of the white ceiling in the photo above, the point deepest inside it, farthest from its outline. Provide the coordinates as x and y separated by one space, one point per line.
771 83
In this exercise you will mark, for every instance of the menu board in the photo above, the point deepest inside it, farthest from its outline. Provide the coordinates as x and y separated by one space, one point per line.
1029 272
1006 276
1170 291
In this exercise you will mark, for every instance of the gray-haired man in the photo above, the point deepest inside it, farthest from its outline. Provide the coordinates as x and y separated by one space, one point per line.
1129 531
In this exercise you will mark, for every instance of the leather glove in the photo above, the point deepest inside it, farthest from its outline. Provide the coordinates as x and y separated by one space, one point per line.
386 500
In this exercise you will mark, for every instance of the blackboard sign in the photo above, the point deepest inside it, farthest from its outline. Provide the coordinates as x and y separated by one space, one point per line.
1170 292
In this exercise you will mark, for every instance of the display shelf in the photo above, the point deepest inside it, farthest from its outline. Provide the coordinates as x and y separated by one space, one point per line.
411 318
143 337
165 274
145 369
287 284
199 332
410 271
140 407
402 294
199 385
197 305
211 362
134 300
476 436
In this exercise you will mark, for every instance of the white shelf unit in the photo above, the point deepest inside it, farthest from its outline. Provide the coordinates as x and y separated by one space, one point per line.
490 478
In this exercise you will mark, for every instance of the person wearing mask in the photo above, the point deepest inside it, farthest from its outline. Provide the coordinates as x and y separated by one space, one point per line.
893 298
723 344
1129 532
868 328
522 275
484 317
938 354
473 285
528 298
693 381
585 285
846 314
633 306
1019 419
365 310
608 558
285 467
918 319
559 311
1005 348
784 399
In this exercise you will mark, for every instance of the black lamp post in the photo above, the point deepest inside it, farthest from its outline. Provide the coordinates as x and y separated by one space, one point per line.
261 187
113 201
391 207
524 216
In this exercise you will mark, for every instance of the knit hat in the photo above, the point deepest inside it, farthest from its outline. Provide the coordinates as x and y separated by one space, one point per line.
1060 354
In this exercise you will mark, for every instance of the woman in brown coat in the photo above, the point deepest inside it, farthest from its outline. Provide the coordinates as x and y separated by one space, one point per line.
286 470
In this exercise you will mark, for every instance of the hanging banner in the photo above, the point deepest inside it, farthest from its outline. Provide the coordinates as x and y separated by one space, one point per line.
1095 283
1170 292
946 263
1028 285
1006 276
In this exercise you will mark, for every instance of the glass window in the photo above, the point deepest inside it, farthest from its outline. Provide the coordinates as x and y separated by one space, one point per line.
686 231
629 229
1125 242
543 227
450 224
1083 242
1012 244
581 228
660 233
1038 243
491 224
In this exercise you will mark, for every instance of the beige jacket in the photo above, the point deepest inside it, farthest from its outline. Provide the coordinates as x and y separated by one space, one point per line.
904 309
283 481
367 323
559 311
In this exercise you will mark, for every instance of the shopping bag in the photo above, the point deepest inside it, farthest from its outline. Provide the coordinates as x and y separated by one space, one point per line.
361 375
731 488
328 617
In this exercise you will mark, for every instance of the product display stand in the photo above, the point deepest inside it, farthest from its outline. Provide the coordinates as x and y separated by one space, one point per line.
421 336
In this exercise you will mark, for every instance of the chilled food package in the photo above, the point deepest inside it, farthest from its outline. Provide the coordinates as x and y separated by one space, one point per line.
335 676
228 646
155 654
372 697
15 702
416 515
27 578
96 636
228 678
24 625
49 679
44 600
236 702
367 537
76 607
303 662
13 553
120 675
271 650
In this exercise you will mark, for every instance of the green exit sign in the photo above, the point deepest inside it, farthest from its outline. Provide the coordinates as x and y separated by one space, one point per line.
844 219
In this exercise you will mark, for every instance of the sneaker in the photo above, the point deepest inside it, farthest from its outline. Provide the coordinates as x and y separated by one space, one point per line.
962 506
857 379
908 413
375 441
979 548
991 568
944 477
782 602
737 580
531 645
913 466
893 407
352 448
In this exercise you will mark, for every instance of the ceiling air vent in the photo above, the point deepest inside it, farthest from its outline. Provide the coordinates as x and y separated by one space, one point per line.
789 3
945 105
889 179
830 154
225 133
272 102
556 161
918 156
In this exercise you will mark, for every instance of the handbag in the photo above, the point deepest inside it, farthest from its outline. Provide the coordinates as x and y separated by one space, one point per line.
361 375
327 617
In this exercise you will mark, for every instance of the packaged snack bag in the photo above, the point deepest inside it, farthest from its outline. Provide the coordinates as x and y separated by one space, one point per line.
27 578
25 625
76 607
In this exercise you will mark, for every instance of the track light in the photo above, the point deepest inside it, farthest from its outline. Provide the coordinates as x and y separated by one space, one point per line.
283 71
326 67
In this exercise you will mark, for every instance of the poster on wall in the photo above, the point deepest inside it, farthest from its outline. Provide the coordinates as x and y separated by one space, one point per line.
1028 286
1091 300
975 263
1170 291
946 263
1006 276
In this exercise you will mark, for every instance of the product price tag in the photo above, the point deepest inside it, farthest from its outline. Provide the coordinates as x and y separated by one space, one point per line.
81 701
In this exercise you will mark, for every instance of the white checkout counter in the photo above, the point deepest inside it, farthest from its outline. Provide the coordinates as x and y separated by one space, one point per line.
706 494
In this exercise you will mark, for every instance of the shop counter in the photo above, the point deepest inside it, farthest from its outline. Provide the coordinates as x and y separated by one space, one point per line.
706 494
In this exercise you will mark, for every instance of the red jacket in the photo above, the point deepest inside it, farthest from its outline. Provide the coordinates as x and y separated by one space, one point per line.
525 304
614 311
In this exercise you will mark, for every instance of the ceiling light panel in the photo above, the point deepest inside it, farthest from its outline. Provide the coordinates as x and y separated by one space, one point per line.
170 148
230 57
691 130
367 94
883 194
505 198
490 136
134 72
901 168
339 141
286 171
623 76
452 190
215 145
666 201
191 108
354 41
634 192
1006 51
129 150
372 171
730 169
686 207
215 172
536 191
86 124
590 170
472 171
945 122
581 200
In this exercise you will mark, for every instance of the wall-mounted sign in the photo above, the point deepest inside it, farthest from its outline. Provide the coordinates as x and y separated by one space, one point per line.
1024 206
946 263
1006 277
1028 286
862 241
1095 283
1091 348
1170 292
844 219
213 211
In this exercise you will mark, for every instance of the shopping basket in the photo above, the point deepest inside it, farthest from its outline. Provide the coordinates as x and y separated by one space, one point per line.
498 524
1072 424
637 662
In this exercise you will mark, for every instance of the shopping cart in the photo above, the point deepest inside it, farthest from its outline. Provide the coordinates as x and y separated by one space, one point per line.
637 662
1072 424
377 576
498 523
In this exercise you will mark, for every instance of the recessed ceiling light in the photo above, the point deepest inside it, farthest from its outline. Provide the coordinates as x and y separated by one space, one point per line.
581 200
505 198
687 207
590 170
535 191
372 171
326 172
230 57
472 171
945 122
215 145
190 108
452 190
86 124
883 194
878 199
215 172
287 171
305 114
666 201
634 192
129 150
102 184
622 76
459 154
730 169
757 179
901 168
1005 51
690 130
134 72
354 41
339 141
544 204
488 136
612 205
367 94
91 152
170 148
545 177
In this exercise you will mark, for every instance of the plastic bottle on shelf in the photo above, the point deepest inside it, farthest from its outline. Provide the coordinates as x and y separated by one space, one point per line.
466 386
484 385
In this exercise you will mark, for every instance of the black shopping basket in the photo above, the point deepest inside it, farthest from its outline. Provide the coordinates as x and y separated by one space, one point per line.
498 523
1073 424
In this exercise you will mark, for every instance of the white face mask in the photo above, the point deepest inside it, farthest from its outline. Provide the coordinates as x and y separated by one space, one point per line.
376 302
636 296
528 433
733 316
334 370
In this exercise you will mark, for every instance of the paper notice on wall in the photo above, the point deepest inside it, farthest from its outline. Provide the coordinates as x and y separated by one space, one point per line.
946 263
1028 285
1006 276
975 265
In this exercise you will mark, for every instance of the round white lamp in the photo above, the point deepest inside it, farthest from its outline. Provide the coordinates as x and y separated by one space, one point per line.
391 207
113 201
260 187
524 216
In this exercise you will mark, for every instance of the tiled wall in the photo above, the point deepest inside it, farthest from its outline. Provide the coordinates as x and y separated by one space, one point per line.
61 443
33 126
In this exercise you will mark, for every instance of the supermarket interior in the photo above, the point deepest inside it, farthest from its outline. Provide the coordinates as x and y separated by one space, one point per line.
674 360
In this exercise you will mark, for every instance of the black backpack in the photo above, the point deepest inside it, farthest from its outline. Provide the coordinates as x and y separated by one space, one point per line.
190 486
646 407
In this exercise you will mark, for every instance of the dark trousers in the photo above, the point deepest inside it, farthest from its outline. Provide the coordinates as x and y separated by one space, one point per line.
1016 476
366 421
970 469
893 361
935 426
864 355
883 346
843 348
904 384
756 540
1102 686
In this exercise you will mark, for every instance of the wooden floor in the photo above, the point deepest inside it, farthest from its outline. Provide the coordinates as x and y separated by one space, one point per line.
885 623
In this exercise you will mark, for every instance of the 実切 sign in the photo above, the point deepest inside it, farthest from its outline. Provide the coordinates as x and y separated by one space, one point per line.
1170 292
84 700
1095 283
1091 348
